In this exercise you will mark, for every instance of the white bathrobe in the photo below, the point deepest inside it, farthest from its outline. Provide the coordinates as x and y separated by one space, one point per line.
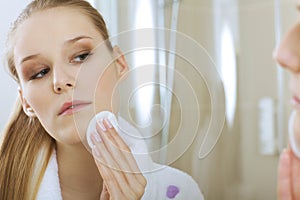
163 182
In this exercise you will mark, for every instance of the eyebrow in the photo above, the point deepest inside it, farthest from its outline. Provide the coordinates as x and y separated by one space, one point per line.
70 41
29 57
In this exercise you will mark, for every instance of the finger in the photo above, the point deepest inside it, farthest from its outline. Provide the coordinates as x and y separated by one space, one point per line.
104 193
284 182
117 147
295 162
124 158
121 160
116 181
108 167
112 149
111 185
114 136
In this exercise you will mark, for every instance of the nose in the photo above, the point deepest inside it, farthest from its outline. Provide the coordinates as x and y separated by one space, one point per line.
288 52
62 80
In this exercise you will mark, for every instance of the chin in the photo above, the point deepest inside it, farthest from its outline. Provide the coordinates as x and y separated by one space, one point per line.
67 136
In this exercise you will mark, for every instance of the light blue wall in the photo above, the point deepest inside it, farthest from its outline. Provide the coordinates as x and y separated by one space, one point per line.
9 10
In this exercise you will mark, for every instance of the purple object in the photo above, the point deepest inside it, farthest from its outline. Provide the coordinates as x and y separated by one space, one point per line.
172 191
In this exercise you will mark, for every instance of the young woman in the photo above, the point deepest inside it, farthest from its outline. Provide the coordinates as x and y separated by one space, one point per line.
42 154
288 56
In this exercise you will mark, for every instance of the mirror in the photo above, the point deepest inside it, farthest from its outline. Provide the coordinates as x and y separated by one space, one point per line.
204 87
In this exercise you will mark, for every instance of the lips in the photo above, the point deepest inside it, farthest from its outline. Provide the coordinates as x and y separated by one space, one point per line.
71 107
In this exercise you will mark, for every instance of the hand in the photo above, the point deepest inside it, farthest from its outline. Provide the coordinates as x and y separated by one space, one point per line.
288 176
117 166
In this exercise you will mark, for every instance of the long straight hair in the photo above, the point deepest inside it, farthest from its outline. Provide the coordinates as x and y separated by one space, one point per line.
26 147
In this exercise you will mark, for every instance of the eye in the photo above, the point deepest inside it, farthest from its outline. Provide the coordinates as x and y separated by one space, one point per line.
40 74
81 58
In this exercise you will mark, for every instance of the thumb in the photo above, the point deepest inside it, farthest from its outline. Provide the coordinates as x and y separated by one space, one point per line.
284 176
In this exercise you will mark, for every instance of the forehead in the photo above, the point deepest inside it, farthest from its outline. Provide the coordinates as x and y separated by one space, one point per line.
52 27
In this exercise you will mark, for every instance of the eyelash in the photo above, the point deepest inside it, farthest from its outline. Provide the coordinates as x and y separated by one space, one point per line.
85 55
43 72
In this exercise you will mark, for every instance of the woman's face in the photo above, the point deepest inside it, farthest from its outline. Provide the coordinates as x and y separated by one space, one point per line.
62 72
288 56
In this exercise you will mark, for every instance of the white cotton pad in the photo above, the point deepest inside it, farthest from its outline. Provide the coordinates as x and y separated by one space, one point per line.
99 118
295 145
130 136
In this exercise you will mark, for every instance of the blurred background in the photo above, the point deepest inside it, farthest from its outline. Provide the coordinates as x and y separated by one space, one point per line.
238 38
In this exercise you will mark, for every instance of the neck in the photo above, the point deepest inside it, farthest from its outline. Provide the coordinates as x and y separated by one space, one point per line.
78 174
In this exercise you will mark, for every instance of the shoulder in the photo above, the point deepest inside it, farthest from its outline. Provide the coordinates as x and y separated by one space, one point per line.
175 184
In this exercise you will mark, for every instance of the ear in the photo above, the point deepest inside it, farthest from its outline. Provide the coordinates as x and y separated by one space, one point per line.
26 107
122 66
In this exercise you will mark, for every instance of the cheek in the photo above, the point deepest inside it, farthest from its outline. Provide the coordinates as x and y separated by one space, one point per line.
39 100
33 97
104 96
294 81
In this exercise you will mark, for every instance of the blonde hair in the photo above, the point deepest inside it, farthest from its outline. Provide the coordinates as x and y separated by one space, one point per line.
26 147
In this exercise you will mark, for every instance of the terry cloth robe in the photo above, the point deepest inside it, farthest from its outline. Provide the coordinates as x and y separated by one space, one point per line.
163 182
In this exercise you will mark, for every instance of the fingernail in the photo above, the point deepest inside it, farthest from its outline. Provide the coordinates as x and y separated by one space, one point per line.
102 125
96 151
108 123
96 137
